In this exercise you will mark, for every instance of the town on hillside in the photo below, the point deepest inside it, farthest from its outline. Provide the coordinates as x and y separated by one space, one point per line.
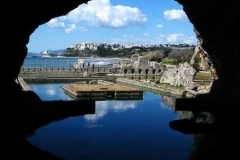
119 50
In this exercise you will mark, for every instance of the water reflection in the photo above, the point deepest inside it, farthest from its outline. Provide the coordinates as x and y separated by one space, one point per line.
103 107
124 129
139 130
168 102
50 91
215 130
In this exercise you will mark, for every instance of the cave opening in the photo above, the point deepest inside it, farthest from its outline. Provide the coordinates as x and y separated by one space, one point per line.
103 112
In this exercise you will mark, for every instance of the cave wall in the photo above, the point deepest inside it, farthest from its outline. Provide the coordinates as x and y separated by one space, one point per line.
19 23
216 26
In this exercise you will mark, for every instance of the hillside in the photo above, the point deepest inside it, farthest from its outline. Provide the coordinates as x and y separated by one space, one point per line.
31 54
155 53
56 51
159 54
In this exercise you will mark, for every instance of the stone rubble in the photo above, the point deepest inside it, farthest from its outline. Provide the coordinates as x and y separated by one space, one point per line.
181 75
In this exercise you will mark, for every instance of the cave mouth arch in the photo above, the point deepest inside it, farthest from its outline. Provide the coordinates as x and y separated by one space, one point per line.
208 24
225 70
142 71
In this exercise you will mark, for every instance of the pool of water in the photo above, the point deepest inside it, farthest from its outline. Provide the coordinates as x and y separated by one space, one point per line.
126 130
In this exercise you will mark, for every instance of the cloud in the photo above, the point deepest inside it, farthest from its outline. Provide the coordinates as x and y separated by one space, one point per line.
127 36
55 23
175 38
135 40
175 14
83 29
146 34
159 25
102 13
178 38
103 107
71 28
99 13
63 18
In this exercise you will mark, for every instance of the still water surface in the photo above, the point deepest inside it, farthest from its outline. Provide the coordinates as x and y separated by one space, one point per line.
126 130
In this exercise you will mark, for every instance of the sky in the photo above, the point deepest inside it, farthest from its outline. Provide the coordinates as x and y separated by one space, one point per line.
116 21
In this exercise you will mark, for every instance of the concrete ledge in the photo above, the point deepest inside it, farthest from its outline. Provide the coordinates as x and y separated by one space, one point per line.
23 84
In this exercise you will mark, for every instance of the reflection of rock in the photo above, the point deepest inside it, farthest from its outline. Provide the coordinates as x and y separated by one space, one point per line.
102 108
187 126
170 102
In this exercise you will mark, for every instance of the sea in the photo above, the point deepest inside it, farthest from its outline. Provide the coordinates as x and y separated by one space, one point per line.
65 62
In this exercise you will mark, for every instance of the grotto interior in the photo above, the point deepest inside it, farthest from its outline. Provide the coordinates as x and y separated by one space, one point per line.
217 29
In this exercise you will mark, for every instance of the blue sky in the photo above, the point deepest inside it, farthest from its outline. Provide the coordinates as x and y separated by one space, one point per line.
116 21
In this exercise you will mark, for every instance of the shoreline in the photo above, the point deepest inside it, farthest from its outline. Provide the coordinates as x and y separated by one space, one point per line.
167 90
79 57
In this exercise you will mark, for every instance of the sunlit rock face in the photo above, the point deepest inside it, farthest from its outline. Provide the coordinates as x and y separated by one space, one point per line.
202 59
181 75
216 26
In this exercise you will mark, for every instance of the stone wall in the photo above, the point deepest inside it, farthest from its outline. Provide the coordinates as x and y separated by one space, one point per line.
142 62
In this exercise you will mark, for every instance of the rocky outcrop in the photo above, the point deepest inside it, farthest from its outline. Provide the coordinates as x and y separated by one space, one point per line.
198 59
181 75
202 60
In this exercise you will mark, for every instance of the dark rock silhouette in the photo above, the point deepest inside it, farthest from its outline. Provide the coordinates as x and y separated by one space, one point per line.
216 137
30 113
187 126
